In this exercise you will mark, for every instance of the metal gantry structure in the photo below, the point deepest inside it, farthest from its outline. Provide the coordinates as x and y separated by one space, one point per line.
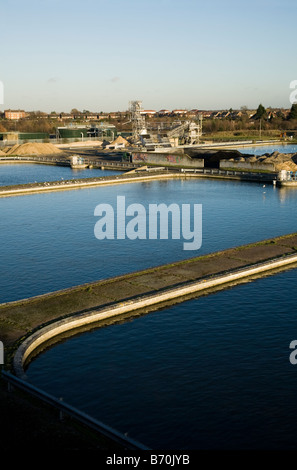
187 132
137 119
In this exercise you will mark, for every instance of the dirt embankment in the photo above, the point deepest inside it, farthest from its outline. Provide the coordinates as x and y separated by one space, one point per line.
35 148
281 161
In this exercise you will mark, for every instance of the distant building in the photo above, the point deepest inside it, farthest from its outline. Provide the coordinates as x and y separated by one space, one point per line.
97 117
179 111
206 114
115 115
148 112
164 112
16 115
66 116
193 113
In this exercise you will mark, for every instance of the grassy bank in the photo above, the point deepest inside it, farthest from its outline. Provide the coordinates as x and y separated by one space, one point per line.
239 136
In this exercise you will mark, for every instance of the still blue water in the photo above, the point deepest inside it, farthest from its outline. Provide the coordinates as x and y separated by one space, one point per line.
48 240
212 372
11 174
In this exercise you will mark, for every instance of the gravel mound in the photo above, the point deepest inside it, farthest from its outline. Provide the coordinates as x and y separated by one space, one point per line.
33 148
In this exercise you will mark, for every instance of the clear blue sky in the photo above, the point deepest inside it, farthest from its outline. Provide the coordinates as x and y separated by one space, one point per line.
100 54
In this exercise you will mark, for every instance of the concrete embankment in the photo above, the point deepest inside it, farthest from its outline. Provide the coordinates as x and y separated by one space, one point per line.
287 184
133 177
27 325
19 190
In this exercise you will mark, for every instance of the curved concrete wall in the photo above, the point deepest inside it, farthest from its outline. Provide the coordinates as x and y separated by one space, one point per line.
258 166
68 185
45 334
168 159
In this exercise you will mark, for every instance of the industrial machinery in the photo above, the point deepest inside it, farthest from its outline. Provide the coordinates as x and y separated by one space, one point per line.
178 133
138 120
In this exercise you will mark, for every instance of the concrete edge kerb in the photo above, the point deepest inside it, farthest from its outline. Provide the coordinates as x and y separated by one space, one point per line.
75 321
64 186
67 185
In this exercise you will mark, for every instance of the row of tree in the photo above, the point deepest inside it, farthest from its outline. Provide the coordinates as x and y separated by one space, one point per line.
268 121
262 113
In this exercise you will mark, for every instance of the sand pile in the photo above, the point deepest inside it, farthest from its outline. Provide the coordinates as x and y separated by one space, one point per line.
33 148
281 161
121 141
82 144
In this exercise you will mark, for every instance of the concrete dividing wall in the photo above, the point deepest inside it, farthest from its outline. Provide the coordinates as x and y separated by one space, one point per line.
47 333
68 185
259 166
168 159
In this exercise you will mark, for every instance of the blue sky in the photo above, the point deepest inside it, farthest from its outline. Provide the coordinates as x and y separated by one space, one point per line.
100 54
